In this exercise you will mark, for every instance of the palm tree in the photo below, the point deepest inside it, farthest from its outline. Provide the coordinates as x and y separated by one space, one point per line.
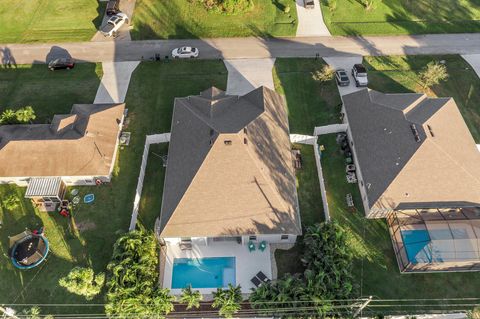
191 298
228 300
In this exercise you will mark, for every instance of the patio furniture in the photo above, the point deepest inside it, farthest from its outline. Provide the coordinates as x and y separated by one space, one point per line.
251 246
257 282
262 277
349 199
262 246
89 198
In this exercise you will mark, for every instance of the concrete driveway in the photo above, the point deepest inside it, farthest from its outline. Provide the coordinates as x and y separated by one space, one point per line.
310 21
474 61
114 84
347 64
127 7
244 75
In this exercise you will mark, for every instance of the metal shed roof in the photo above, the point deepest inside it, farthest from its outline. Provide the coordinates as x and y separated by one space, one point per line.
44 186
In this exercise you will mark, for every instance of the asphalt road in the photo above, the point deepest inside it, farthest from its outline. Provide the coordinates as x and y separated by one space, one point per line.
235 48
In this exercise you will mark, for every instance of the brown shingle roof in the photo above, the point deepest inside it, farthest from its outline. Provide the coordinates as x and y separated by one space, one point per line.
79 144
398 172
229 167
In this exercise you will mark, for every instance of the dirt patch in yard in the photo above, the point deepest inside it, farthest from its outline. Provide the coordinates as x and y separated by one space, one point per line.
85 225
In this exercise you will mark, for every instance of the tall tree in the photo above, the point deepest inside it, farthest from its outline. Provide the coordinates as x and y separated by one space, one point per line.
433 74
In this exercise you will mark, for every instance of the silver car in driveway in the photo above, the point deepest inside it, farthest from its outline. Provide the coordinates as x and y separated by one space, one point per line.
185 52
341 77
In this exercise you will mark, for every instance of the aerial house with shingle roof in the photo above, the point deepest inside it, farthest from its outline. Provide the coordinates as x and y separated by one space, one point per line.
230 174
75 149
418 166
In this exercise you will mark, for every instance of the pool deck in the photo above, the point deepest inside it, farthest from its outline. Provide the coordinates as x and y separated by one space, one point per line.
247 264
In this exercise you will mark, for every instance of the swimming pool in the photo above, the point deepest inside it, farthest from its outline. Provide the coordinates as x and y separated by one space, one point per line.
417 245
210 272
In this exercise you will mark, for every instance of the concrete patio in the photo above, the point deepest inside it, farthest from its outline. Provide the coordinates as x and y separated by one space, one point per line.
247 264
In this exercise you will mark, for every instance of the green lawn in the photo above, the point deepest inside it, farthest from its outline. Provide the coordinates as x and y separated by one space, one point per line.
375 266
401 17
189 19
89 238
49 20
48 92
310 103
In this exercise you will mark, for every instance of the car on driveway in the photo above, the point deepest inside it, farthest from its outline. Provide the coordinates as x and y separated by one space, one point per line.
61 63
359 73
309 4
185 52
342 77
114 24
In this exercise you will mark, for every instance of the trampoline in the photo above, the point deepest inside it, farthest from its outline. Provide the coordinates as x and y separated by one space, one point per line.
28 250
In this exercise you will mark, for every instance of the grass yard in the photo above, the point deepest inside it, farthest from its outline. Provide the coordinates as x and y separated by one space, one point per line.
89 239
310 103
49 20
48 92
346 17
375 266
189 19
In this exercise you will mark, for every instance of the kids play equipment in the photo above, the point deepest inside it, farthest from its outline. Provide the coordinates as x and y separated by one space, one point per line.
28 249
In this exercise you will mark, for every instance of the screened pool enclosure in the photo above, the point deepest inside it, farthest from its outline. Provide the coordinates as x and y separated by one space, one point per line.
436 239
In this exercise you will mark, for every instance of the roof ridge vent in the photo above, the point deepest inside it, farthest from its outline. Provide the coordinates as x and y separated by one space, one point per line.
415 133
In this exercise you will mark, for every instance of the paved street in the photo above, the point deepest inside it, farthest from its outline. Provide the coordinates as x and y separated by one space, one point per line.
236 48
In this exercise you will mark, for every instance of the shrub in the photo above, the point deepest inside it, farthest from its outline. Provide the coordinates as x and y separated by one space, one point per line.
287 9
11 202
433 74
25 114
8 117
228 6
327 73
83 282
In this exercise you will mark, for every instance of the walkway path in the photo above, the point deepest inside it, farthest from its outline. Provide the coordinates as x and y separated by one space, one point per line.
257 48
244 75
116 78
310 21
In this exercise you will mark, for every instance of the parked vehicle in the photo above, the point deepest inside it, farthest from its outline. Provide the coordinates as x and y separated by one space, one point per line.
113 24
342 77
113 7
359 73
308 4
61 63
185 52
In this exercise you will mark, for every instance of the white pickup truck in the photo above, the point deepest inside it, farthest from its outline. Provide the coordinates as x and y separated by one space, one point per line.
113 24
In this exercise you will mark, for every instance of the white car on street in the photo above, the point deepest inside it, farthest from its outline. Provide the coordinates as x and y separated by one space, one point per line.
185 52
114 24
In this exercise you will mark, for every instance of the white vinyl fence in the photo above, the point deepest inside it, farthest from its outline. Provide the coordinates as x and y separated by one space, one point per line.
312 140
151 139
328 129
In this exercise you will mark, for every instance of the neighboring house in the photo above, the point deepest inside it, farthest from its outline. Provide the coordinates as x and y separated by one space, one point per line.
230 174
418 166
76 149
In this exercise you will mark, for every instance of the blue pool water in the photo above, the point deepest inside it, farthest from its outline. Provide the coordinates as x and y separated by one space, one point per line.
212 272
417 245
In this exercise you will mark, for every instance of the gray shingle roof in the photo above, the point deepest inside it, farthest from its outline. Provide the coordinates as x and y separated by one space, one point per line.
440 168
229 167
